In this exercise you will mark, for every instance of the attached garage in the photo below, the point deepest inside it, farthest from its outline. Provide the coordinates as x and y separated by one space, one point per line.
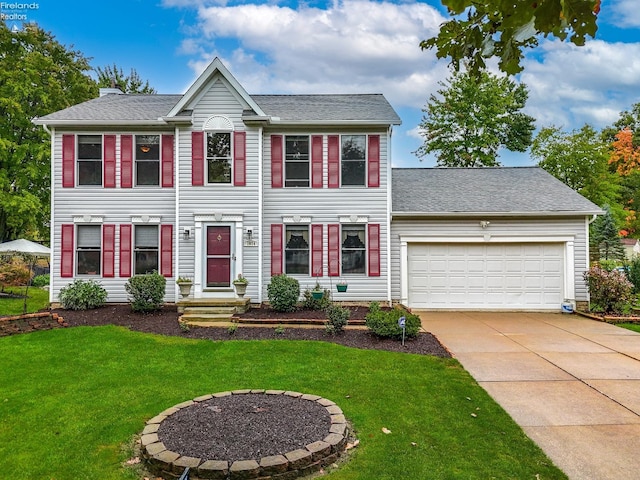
514 276
487 239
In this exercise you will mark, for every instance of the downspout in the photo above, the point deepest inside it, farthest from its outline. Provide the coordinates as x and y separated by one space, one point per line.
389 198
176 182
260 210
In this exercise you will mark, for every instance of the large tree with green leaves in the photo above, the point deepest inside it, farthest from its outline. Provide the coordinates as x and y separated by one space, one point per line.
113 76
580 159
38 75
481 29
473 118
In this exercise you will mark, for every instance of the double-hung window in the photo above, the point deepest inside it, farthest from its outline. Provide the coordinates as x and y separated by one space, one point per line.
89 159
296 249
296 162
145 249
219 157
88 249
354 160
354 249
147 159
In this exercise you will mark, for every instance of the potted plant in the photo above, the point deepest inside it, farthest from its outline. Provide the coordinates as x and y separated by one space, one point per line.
317 292
342 286
185 284
240 284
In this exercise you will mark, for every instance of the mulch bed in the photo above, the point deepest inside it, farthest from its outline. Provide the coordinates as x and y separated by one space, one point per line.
165 322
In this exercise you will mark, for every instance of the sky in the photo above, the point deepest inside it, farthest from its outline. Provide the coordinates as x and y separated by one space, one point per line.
344 46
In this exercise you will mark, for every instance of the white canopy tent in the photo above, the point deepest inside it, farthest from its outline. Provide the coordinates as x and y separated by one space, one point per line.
28 249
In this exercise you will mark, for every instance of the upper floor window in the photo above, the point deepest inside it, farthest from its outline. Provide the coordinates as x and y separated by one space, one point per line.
146 243
147 160
354 249
88 249
89 159
219 157
296 249
296 160
354 159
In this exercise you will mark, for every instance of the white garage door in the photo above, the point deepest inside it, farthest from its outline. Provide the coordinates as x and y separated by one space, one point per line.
520 276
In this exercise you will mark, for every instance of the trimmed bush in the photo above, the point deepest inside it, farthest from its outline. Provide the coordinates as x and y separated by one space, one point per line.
337 318
384 323
283 293
146 292
609 291
40 281
311 303
82 295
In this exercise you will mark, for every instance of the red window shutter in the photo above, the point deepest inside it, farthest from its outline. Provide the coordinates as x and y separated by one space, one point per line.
125 250
167 161
333 158
374 249
166 250
334 249
316 161
276 248
276 161
316 250
239 159
108 250
68 160
197 158
66 249
126 162
109 161
374 160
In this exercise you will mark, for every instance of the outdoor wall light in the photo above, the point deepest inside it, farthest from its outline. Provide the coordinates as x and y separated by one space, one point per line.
186 234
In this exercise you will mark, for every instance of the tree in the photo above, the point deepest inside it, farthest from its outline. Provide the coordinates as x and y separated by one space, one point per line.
473 119
498 28
38 76
605 238
579 159
112 76
624 155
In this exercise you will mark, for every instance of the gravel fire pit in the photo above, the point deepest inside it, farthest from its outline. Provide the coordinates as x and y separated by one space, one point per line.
245 434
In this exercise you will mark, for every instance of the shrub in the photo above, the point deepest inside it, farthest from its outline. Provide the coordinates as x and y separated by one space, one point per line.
82 295
337 318
14 273
633 273
608 265
384 323
40 281
311 303
611 291
146 292
283 292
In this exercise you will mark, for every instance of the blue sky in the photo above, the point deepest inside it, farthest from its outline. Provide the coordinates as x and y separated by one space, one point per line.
343 46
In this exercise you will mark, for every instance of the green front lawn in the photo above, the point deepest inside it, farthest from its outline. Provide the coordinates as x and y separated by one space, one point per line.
71 400
630 326
37 300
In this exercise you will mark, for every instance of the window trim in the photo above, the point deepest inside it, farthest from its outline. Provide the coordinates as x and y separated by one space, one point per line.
366 160
287 160
80 249
207 158
285 249
135 160
135 250
78 160
352 226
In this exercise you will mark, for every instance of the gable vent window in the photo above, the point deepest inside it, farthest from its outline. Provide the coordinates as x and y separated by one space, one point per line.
89 159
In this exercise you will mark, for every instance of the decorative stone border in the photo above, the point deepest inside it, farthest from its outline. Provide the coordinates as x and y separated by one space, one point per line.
31 322
287 466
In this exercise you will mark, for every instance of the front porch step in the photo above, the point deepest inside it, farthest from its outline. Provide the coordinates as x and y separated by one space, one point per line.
222 310
205 318
211 311
241 305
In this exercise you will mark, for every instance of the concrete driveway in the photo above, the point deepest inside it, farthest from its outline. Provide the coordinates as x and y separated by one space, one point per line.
571 383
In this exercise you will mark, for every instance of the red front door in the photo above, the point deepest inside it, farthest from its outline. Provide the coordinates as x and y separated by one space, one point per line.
219 256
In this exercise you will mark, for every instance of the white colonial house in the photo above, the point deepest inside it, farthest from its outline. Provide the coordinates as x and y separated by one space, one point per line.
216 183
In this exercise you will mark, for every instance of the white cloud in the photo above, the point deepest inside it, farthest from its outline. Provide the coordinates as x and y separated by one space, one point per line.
573 85
626 13
354 45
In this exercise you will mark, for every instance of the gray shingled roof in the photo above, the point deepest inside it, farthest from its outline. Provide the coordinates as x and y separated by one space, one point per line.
116 107
328 108
289 108
503 190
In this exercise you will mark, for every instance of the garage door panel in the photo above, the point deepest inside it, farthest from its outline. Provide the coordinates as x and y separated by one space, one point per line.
486 276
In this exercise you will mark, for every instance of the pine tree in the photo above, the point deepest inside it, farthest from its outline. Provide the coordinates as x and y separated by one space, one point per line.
605 238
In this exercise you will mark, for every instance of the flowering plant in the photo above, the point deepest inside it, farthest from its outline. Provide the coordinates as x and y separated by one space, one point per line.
610 291
241 280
